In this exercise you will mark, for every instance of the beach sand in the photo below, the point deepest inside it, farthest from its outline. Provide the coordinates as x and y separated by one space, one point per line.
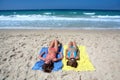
19 52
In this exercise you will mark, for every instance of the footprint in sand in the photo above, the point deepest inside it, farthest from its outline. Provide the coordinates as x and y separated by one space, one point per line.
30 58
5 77
5 59
6 52
12 55
21 55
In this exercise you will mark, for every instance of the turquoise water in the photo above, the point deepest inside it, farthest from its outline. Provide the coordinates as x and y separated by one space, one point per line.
59 19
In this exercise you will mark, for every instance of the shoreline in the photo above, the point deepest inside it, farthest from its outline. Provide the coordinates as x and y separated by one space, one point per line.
59 28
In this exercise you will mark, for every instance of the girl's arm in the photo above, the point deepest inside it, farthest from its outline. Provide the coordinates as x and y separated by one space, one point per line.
61 55
40 56
78 55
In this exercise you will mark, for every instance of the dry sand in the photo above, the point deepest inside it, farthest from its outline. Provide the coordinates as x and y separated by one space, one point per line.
19 52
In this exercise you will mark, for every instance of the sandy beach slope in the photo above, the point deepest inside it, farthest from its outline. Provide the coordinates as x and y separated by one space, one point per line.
19 52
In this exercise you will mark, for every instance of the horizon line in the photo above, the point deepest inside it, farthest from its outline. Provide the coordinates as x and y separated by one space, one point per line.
60 9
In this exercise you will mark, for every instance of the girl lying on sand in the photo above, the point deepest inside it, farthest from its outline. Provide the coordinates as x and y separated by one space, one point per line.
72 54
50 57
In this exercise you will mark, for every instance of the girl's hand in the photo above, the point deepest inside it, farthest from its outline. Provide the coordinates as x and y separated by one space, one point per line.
77 58
55 59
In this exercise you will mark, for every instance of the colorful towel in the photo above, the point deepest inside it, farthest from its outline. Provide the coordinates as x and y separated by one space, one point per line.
84 63
57 65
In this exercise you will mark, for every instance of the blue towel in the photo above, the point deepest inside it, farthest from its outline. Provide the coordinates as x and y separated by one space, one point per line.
57 65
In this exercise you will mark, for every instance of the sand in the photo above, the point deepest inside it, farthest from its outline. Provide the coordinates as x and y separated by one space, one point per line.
19 52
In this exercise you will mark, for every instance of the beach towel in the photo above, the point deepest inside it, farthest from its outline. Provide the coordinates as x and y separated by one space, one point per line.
84 64
57 65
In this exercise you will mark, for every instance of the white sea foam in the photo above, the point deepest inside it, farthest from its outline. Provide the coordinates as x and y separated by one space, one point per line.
86 13
45 17
107 16
47 13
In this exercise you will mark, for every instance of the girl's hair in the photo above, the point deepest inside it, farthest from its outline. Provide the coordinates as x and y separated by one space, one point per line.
72 62
48 67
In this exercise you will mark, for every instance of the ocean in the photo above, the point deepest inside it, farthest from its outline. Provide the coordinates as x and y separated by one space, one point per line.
59 19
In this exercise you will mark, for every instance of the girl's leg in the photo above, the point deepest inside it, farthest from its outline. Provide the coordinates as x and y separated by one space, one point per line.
78 53
56 45
74 44
51 44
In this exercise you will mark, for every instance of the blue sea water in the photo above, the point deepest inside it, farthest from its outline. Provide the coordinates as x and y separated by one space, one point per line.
59 19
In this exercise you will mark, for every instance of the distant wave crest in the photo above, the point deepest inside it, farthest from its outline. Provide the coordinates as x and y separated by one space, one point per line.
47 13
45 17
86 13
106 16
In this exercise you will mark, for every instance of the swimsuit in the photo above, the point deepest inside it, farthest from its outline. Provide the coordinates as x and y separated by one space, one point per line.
72 52
52 49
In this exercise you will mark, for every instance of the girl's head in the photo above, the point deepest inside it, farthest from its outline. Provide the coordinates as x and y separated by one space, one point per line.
72 62
47 67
